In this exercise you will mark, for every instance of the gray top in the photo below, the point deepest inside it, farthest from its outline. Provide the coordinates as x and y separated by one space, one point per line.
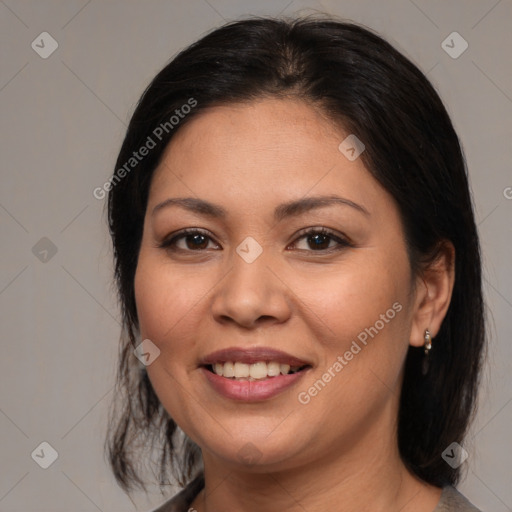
451 500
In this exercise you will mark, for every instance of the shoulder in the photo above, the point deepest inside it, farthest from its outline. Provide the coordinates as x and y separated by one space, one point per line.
453 501
181 501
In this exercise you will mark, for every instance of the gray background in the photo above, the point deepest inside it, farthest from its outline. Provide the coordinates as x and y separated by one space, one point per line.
63 119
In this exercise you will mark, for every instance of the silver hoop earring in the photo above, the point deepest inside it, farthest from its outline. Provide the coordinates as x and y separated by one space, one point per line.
427 346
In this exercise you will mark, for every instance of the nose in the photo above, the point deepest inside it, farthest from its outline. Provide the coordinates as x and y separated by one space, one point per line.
251 295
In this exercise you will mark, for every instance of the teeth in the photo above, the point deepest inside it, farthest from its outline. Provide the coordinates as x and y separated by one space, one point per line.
227 371
241 370
285 368
273 369
256 371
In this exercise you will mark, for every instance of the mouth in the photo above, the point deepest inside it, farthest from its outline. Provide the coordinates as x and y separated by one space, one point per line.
252 374
260 370
255 363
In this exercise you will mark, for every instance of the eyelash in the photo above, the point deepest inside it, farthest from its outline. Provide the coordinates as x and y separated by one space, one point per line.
170 243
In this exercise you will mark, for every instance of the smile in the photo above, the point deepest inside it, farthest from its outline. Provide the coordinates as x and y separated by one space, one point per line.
252 374
256 371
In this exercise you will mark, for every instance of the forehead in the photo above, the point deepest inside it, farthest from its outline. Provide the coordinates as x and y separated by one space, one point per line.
268 149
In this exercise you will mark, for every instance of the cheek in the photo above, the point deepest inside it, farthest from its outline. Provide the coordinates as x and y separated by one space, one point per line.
362 315
162 294
353 297
167 303
361 319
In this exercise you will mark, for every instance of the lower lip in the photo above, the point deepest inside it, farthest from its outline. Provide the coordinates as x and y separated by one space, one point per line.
251 391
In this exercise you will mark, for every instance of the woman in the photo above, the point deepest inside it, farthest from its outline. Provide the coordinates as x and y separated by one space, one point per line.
299 273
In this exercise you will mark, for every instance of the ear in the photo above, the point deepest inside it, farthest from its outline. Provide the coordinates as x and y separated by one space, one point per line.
434 288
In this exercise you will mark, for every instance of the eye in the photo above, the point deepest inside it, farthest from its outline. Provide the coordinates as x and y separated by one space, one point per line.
317 239
321 239
193 240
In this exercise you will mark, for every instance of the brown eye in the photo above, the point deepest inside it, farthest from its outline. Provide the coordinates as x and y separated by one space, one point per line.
196 241
321 239
188 240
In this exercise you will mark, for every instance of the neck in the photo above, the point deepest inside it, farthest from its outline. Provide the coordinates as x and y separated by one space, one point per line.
370 476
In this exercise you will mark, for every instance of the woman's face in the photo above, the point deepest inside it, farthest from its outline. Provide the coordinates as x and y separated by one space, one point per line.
252 288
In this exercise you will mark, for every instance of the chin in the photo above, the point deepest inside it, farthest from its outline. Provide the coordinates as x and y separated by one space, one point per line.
259 448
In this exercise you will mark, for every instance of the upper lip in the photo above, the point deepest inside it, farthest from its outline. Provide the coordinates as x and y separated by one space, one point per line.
252 355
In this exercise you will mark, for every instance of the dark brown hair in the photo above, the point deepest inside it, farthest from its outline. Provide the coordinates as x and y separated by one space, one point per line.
360 81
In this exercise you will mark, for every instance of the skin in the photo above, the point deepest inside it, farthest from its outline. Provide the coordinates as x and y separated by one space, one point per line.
339 451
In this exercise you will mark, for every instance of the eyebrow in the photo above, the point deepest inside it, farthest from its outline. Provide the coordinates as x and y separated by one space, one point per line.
281 212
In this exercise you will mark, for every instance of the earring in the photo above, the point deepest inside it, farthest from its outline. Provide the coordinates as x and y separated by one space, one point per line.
427 346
